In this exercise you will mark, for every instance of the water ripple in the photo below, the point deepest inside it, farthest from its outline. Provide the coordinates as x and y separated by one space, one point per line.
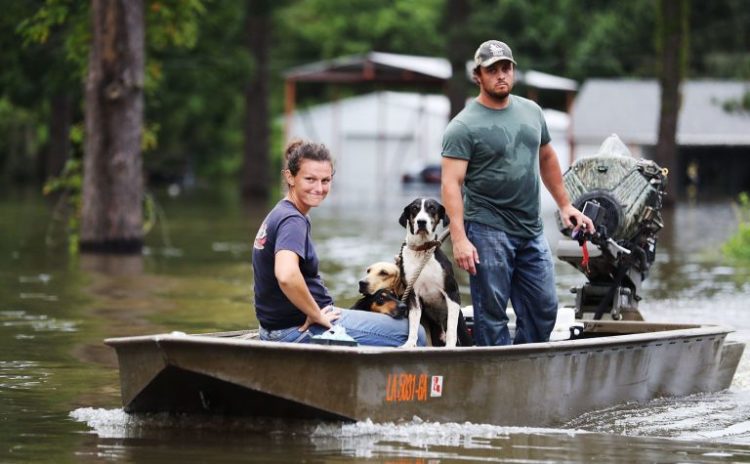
39 323
21 375
37 279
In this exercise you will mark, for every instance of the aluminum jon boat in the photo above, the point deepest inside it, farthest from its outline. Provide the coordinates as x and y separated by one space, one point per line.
606 362
524 385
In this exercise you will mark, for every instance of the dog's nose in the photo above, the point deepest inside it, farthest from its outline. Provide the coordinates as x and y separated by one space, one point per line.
363 287
421 223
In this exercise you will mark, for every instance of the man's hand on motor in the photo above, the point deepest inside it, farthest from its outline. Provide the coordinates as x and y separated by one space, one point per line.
574 219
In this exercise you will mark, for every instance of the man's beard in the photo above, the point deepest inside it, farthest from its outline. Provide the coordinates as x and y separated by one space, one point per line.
499 94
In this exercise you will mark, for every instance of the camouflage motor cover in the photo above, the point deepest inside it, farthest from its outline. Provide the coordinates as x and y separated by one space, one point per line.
629 190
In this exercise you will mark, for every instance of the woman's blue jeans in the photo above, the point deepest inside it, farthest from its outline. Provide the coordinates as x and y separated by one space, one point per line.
365 327
512 268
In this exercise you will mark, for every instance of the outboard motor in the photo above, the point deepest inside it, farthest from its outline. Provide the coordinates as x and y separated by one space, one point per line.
623 197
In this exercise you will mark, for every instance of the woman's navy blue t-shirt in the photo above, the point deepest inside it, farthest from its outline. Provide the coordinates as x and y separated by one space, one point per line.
285 228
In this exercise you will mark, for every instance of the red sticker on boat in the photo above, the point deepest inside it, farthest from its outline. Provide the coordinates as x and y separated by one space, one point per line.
436 386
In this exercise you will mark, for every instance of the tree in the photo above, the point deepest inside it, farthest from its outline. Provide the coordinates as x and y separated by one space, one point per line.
256 169
672 39
113 180
458 49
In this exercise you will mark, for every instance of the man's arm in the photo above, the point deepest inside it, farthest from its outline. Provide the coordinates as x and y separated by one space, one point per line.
452 175
549 169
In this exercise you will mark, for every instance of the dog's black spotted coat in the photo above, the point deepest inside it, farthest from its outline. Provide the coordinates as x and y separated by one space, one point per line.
421 218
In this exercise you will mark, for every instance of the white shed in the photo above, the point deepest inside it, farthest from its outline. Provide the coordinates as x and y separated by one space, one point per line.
379 137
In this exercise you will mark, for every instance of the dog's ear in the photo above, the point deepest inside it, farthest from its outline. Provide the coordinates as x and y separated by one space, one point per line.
404 216
443 216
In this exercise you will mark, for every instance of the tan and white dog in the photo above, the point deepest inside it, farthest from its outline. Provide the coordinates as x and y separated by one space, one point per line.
381 290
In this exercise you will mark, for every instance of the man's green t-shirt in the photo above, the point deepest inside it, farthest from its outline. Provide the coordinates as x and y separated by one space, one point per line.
501 187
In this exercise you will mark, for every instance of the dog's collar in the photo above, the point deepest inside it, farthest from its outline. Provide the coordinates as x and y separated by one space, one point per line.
425 246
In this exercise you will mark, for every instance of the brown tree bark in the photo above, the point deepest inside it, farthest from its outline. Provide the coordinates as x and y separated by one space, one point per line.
256 182
672 39
112 219
458 50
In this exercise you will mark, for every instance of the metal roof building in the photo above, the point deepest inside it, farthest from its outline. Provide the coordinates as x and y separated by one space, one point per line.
630 108
713 140
398 69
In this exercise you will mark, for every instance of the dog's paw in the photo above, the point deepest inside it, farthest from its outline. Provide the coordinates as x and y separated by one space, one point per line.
409 344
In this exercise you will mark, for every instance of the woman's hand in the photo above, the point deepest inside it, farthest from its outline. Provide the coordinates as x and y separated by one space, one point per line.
325 317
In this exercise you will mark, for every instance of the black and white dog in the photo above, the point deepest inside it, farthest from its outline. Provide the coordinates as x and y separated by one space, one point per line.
435 291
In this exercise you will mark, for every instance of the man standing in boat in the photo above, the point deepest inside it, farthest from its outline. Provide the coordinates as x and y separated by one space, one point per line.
494 152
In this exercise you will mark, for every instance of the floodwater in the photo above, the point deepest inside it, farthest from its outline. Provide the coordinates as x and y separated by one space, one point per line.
59 386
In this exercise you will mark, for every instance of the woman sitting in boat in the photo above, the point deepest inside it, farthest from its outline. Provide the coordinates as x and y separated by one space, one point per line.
291 302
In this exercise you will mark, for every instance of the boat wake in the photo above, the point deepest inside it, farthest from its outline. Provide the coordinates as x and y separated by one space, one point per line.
116 423
437 432
716 417
701 427
425 440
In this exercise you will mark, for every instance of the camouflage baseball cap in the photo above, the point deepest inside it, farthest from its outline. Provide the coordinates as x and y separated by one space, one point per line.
491 52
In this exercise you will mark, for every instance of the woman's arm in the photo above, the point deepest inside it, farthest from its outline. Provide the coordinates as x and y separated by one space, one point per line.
292 283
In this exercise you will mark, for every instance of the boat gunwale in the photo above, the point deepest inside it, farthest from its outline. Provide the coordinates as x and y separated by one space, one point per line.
232 338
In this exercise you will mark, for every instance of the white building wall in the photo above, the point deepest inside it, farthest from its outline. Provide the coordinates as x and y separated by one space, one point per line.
377 138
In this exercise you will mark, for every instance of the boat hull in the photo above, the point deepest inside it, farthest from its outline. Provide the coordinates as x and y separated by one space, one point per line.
524 385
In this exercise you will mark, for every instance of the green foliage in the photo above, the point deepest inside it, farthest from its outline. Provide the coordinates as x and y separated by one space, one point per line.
327 29
173 23
720 39
35 39
574 38
21 138
68 188
198 64
60 28
737 248
740 105
200 105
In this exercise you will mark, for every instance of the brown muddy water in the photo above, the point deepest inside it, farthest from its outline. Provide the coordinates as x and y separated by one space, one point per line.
59 387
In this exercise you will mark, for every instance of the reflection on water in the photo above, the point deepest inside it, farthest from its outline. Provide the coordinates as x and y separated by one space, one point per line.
59 389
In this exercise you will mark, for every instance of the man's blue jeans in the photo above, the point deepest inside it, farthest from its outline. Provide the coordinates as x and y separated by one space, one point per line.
365 327
517 268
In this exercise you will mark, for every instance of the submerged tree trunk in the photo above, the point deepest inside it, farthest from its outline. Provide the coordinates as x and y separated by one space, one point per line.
672 42
256 165
112 219
458 51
